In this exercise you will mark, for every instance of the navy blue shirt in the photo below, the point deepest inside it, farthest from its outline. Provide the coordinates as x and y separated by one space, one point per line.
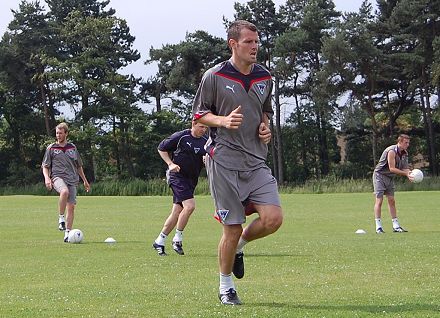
186 151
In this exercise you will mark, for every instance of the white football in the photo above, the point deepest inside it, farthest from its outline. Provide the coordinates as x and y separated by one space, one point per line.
75 236
417 175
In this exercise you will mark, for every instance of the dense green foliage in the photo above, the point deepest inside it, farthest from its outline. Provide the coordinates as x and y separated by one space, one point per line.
314 266
158 187
345 85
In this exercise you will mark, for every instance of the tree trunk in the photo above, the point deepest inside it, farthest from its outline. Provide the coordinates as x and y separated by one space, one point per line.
126 148
429 132
300 129
273 150
45 109
157 96
278 133
116 147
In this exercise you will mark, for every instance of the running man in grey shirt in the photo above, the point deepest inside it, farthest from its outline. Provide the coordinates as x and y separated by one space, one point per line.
61 166
234 100
394 161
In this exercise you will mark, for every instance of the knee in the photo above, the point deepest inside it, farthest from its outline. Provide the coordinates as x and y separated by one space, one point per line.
64 193
189 208
274 221
379 202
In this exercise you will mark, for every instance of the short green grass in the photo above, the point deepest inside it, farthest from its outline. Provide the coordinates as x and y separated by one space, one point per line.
314 266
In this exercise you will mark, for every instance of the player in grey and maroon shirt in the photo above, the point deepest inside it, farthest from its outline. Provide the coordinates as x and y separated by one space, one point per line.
393 161
61 166
234 100
182 152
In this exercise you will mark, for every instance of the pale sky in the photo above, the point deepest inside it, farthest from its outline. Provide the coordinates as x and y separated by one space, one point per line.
155 23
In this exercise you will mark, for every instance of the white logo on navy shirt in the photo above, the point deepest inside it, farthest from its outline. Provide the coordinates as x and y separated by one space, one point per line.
196 150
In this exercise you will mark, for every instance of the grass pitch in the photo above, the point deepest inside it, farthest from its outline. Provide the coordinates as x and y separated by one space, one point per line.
314 266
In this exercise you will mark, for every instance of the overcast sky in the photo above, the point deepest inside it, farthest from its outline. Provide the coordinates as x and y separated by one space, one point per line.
155 23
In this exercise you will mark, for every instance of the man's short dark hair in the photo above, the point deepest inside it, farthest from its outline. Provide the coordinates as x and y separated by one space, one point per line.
236 27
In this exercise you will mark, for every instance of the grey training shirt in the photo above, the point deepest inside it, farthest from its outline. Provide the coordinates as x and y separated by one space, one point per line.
223 89
63 162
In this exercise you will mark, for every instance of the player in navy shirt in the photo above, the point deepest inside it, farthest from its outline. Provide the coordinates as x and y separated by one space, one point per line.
183 152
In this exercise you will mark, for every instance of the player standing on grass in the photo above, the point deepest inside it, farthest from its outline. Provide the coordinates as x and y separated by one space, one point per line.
183 152
394 161
234 99
61 166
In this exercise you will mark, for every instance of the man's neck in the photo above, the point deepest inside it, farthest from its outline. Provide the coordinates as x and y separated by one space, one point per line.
243 68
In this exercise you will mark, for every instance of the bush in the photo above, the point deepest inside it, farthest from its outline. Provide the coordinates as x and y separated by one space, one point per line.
158 187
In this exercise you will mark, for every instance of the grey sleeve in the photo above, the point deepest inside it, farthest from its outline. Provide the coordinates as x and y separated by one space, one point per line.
205 96
267 106
47 160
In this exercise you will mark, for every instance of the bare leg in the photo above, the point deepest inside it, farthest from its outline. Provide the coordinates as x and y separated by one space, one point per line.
62 201
228 246
269 221
70 215
378 207
188 208
172 219
392 206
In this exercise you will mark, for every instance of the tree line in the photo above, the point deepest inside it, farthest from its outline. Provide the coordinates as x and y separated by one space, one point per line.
349 81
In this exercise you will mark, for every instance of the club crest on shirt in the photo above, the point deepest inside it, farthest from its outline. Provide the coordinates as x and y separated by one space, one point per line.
222 214
196 150
71 153
57 151
261 87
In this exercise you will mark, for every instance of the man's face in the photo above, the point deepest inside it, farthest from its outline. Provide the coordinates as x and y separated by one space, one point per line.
246 48
199 130
404 144
61 135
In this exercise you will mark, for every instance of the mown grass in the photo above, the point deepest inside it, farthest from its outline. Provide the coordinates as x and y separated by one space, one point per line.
314 266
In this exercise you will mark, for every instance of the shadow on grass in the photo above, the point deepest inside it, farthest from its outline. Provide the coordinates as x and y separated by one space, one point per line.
357 308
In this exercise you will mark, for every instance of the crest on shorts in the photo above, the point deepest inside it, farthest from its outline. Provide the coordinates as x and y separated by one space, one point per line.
222 215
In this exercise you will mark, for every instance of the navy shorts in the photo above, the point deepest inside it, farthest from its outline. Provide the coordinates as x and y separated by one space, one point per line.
183 188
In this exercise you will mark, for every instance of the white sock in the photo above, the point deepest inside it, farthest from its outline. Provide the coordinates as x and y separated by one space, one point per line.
178 237
61 218
241 244
161 239
395 223
226 283
378 223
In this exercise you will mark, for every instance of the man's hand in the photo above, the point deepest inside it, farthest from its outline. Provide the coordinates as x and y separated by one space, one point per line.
173 167
264 133
48 183
234 119
409 175
87 186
